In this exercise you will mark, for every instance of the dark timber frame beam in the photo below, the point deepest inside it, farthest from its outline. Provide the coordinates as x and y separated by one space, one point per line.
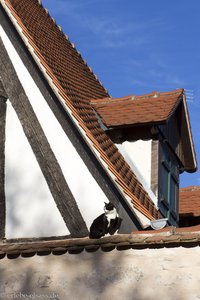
3 98
41 148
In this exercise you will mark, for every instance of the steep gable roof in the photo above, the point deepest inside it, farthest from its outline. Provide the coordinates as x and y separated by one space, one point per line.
74 84
131 110
189 203
76 78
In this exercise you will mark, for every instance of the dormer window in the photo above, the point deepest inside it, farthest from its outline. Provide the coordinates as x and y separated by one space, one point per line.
153 134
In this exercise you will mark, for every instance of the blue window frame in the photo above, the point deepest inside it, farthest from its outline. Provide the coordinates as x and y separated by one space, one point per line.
168 184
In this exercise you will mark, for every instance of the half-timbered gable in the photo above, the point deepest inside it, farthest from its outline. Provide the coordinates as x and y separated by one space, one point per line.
60 159
66 147
64 166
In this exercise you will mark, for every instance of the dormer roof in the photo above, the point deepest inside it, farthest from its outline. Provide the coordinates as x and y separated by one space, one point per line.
153 108
149 110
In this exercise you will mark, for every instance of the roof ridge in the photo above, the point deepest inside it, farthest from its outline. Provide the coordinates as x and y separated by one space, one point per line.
136 97
190 188
159 93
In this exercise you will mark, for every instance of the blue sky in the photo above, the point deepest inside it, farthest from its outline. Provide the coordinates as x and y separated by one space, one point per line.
136 47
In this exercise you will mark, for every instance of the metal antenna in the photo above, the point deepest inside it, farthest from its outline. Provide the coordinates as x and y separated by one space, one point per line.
189 95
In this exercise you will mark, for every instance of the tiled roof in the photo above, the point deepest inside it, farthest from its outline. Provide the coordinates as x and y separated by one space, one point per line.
131 110
166 238
74 84
77 79
189 201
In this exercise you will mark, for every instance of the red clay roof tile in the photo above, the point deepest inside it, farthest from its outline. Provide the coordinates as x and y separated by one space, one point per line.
76 84
189 201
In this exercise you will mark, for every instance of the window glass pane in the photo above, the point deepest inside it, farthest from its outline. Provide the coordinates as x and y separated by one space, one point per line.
168 179
165 182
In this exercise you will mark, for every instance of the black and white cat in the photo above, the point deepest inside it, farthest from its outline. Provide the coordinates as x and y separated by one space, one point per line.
108 222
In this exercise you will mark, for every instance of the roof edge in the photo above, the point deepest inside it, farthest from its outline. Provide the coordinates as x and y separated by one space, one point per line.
195 167
169 237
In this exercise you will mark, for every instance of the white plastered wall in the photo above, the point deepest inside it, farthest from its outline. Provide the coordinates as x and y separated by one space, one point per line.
148 274
31 209
29 204
138 155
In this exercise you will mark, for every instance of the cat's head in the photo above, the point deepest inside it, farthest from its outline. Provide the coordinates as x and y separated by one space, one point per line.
108 206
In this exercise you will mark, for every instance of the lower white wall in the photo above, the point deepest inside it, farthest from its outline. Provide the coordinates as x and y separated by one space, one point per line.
131 274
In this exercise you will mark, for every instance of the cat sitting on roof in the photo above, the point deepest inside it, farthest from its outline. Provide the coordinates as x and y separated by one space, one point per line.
108 222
